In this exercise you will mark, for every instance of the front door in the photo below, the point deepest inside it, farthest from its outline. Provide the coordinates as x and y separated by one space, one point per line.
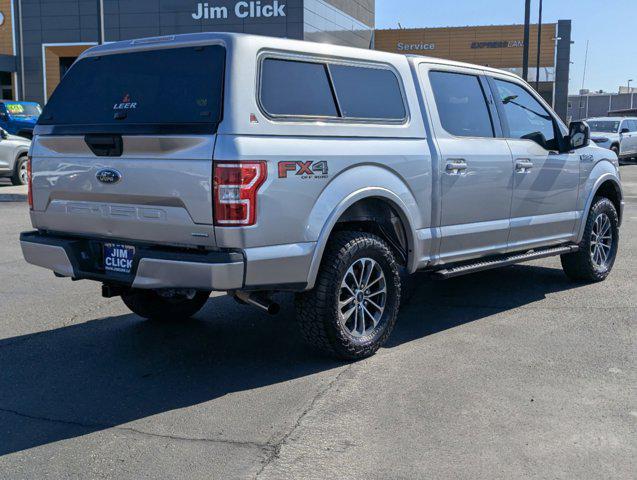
475 168
629 139
545 182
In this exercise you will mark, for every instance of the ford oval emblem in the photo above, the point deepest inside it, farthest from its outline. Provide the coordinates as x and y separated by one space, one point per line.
108 175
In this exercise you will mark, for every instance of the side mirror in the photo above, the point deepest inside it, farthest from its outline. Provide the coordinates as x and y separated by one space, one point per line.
4 134
579 134
625 130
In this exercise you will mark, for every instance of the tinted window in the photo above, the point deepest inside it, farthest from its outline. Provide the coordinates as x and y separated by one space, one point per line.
371 93
461 104
526 117
632 125
180 86
296 88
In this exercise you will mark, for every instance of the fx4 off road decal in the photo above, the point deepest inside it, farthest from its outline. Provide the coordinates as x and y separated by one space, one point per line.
305 170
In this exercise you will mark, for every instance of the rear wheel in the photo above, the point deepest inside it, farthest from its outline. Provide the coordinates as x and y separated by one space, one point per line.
598 248
20 176
352 310
165 304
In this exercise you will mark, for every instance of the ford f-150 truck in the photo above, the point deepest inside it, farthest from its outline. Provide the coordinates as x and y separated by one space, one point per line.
166 168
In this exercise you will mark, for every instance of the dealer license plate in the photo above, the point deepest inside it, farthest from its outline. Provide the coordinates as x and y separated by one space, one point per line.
118 258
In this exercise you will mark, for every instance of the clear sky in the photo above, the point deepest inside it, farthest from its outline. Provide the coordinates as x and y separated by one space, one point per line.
609 25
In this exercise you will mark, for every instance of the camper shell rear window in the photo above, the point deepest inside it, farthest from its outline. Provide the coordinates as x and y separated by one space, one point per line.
176 90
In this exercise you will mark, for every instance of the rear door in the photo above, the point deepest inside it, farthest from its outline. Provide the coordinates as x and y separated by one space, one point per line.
124 147
545 182
475 166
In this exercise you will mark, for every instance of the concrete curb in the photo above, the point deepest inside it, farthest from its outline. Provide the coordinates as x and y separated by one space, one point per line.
12 197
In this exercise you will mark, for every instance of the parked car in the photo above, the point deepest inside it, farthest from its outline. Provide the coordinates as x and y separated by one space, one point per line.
13 157
332 172
19 118
618 134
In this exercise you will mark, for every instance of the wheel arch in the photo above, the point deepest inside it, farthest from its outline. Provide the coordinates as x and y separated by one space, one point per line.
609 186
21 152
368 204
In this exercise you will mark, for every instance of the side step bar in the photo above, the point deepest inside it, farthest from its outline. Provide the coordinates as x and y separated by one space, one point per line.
503 261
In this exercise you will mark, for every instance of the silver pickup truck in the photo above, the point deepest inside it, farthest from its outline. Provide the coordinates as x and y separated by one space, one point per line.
166 168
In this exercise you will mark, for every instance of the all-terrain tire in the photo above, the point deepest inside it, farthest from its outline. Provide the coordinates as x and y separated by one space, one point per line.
317 311
580 266
153 306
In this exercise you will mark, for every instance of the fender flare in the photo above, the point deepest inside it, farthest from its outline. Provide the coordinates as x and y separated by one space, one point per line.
369 192
591 196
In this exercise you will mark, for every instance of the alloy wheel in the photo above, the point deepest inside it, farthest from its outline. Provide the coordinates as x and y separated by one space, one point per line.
601 242
362 297
24 176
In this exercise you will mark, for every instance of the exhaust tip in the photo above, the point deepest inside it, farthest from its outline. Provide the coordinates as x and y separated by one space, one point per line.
274 308
258 301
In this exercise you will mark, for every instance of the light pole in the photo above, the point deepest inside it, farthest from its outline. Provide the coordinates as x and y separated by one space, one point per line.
629 82
525 51
539 49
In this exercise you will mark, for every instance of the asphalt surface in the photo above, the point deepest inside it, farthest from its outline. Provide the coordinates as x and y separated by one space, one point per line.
513 373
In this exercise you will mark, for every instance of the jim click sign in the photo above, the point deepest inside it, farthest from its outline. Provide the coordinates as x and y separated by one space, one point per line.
256 9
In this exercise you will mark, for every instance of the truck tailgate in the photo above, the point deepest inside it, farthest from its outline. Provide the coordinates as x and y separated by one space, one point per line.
160 191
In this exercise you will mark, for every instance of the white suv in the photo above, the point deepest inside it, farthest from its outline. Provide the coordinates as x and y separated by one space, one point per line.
618 134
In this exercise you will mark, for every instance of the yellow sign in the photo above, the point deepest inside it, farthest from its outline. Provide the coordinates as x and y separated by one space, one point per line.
15 108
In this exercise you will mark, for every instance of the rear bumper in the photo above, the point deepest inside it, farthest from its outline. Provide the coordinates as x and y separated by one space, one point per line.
153 267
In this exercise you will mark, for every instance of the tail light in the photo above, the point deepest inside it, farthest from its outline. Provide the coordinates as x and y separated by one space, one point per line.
29 183
235 192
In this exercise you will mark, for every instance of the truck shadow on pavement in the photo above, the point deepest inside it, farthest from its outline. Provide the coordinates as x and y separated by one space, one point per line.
71 381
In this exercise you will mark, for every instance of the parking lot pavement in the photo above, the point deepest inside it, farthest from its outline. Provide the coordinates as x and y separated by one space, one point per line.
505 374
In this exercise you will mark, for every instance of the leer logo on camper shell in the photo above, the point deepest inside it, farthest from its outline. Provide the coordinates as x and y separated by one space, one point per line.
125 104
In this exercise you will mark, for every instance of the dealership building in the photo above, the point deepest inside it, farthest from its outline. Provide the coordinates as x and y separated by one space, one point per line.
498 46
40 39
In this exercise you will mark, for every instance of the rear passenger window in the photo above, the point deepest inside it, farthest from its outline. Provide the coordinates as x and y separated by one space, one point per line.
368 93
462 105
297 89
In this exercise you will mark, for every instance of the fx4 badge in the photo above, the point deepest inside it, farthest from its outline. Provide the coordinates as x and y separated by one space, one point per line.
305 170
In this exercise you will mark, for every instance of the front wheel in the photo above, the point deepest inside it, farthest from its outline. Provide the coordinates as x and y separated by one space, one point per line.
165 304
595 258
352 310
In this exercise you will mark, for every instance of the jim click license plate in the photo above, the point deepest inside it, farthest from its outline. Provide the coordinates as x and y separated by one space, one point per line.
118 258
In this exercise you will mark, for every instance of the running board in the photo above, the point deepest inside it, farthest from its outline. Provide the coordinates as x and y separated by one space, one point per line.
503 261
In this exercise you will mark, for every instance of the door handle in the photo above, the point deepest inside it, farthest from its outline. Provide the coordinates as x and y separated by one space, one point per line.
523 165
456 166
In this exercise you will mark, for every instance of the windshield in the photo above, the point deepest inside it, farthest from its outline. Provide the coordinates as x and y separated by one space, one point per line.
23 109
169 89
606 126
